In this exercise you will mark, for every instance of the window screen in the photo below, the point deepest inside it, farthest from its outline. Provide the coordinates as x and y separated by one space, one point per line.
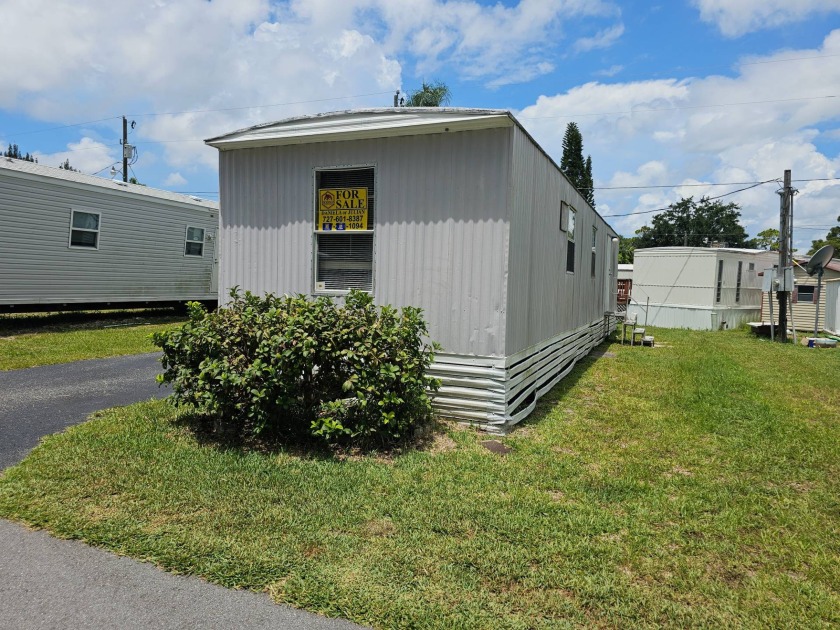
344 220
84 229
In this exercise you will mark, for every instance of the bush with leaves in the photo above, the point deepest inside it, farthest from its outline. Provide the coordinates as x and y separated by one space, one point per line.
296 366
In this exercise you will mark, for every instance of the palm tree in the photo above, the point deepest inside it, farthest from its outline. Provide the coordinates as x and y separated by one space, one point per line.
430 95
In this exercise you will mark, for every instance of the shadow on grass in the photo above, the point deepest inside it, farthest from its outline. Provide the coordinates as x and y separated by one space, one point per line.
24 323
241 438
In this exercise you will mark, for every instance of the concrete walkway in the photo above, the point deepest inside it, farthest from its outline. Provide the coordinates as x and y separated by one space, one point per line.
51 583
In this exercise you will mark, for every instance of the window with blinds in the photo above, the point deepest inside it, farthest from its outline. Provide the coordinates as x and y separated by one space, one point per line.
344 220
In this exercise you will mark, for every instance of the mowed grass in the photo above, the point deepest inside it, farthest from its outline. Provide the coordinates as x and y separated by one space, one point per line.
45 339
695 484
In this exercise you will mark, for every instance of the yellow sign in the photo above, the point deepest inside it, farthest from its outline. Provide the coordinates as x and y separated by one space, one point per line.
342 209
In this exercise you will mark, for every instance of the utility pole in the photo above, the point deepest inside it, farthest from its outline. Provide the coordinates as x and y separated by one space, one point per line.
125 153
785 223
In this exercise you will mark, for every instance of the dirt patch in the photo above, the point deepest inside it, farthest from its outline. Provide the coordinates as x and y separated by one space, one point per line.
379 528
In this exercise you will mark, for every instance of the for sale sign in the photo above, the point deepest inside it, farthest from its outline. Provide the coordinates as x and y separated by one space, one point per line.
342 209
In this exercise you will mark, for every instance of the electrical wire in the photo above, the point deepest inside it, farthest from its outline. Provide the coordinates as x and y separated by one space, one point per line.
668 207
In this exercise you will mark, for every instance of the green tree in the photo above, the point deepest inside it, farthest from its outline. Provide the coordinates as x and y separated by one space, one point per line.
626 248
766 239
430 95
14 152
66 166
832 238
696 224
578 170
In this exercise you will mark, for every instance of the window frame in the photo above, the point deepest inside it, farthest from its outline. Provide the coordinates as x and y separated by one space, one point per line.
719 287
334 233
97 231
594 248
810 291
738 282
187 240
571 226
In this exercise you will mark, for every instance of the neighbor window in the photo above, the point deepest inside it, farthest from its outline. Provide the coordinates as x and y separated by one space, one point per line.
344 211
738 281
594 240
194 242
719 281
84 229
805 293
751 267
570 239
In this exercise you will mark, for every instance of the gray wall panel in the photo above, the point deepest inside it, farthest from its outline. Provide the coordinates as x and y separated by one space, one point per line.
440 232
543 298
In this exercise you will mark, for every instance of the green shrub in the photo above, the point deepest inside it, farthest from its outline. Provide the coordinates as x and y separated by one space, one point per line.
297 366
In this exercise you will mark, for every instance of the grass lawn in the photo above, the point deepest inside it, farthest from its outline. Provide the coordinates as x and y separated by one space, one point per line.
695 484
44 339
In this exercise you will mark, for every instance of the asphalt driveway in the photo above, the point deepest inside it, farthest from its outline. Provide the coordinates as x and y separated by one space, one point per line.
51 583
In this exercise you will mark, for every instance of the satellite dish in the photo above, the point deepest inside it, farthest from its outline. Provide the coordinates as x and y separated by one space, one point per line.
820 259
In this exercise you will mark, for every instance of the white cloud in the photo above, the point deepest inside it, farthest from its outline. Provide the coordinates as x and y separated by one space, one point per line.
174 179
737 17
708 130
88 156
601 39
610 72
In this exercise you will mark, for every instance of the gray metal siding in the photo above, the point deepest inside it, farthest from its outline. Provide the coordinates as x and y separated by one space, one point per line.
140 255
544 300
440 233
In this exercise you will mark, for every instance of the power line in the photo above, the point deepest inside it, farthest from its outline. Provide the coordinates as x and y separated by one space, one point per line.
668 109
668 207
197 111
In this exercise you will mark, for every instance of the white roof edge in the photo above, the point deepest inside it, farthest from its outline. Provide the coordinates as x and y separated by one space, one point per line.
33 170
673 249
360 124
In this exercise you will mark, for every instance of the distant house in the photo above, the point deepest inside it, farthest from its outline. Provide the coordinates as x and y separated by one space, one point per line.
71 240
625 284
700 288
804 297
457 211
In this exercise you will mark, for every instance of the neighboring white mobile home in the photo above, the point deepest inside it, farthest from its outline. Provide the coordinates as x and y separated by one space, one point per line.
832 306
456 211
71 240
702 288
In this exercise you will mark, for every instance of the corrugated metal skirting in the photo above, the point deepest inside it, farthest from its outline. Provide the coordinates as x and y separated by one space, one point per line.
497 393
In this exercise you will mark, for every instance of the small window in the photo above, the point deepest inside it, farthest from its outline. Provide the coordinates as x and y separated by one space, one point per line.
570 238
594 241
738 281
84 229
805 293
719 281
751 267
194 245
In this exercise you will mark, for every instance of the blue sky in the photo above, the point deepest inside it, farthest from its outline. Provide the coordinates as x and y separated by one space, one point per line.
686 97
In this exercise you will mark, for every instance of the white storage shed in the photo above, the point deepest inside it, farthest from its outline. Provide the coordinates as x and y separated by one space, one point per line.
701 288
457 211
71 240
832 306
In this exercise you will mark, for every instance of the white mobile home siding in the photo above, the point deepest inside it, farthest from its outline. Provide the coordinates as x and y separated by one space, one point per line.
440 226
677 287
832 306
140 255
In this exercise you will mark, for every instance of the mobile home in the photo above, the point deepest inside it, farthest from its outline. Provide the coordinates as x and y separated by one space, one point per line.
71 240
457 211
701 288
